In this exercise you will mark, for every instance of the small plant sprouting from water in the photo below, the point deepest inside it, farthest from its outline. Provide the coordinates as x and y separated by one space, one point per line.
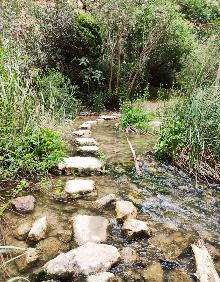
9 250
59 191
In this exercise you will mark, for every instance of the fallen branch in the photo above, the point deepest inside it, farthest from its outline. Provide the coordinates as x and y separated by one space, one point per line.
138 171
205 267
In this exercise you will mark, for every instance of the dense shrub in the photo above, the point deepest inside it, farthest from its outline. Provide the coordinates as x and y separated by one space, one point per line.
58 94
24 146
201 11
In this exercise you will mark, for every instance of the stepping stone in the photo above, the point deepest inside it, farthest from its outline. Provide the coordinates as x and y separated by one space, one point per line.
88 149
39 229
80 186
81 164
92 122
30 257
134 227
100 120
104 201
86 260
83 133
85 126
125 210
100 277
90 229
108 117
85 141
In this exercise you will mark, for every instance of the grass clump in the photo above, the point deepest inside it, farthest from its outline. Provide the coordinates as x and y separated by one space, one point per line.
134 118
191 135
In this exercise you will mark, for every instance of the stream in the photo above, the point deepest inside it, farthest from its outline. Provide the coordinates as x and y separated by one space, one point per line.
178 210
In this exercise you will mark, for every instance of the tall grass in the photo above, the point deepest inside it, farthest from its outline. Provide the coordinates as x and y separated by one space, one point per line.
24 145
191 136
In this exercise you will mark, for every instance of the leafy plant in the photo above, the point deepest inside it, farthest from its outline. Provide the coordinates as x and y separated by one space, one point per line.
134 117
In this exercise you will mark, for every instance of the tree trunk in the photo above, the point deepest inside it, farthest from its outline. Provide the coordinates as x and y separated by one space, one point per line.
119 63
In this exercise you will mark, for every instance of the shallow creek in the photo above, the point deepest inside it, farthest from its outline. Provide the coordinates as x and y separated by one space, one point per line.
178 210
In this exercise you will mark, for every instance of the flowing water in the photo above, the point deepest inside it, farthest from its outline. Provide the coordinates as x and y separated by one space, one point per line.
178 210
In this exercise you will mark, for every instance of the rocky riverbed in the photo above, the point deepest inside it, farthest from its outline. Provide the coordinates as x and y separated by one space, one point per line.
96 220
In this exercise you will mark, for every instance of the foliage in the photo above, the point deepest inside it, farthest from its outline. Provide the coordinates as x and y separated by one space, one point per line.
58 94
134 117
24 145
201 11
191 136
5 250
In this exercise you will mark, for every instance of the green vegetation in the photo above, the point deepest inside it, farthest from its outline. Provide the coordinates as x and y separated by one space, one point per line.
55 57
134 118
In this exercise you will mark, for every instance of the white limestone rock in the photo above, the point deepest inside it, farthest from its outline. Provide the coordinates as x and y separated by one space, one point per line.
88 259
108 117
90 229
100 277
81 141
81 164
83 133
134 227
85 126
125 210
92 122
39 229
104 201
80 186
88 149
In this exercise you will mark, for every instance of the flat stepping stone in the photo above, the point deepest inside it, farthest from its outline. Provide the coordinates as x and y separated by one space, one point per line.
86 260
108 117
88 149
85 141
81 164
85 126
134 227
125 210
83 133
92 122
90 229
80 186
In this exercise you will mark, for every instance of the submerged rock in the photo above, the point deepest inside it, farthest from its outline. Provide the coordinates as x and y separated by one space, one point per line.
65 235
81 164
100 277
50 248
104 201
39 229
81 141
22 231
179 275
125 210
129 255
170 246
153 273
27 260
88 259
90 229
134 227
24 204
83 133
80 186
92 122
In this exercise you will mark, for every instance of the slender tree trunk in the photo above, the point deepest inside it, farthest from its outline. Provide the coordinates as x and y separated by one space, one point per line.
111 68
119 62
217 82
